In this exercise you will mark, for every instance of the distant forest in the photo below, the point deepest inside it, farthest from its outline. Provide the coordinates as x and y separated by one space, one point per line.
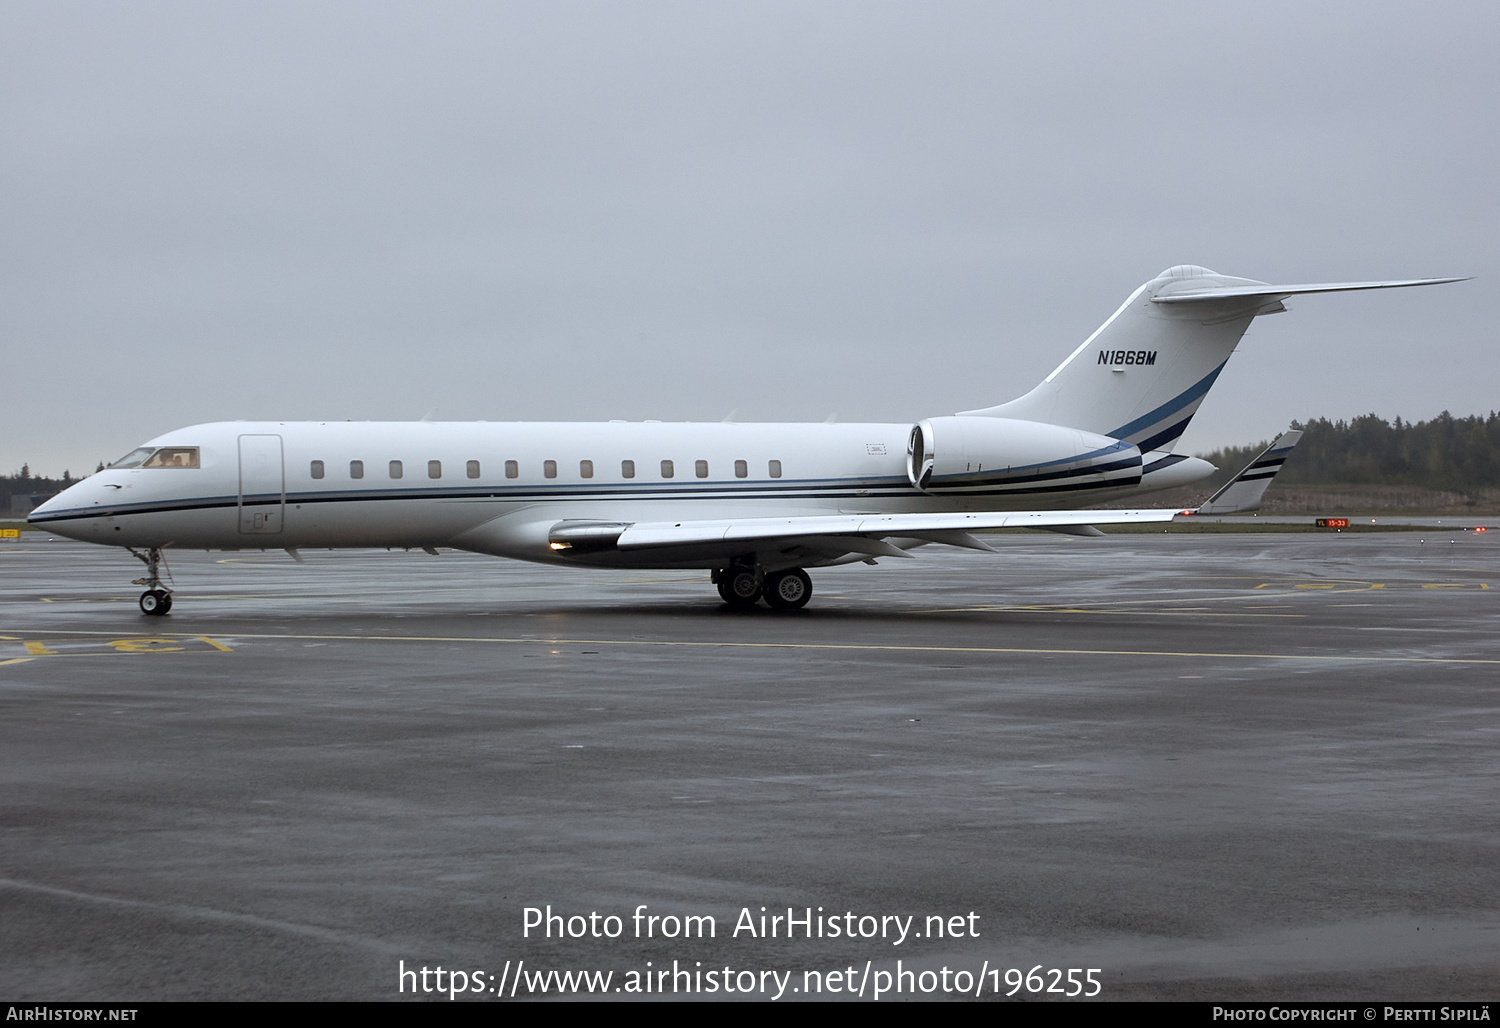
24 483
1446 453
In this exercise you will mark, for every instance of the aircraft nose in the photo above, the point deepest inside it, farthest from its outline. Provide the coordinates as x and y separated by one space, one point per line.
47 506
71 498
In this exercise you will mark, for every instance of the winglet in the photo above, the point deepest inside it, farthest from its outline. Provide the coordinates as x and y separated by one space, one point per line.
1245 489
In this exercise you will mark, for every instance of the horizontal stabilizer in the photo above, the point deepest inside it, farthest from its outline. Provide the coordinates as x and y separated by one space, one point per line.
1267 291
1245 490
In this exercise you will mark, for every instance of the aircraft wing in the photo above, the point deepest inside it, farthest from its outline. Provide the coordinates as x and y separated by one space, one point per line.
834 535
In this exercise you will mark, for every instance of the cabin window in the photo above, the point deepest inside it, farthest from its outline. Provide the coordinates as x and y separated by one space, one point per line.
741 469
700 468
317 469
512 469
472 468
173 457
549 468
395 469
585 469
434 469
774 467
356 469
666 469
627 469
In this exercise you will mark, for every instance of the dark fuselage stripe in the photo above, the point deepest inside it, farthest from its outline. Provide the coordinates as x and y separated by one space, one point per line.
849 494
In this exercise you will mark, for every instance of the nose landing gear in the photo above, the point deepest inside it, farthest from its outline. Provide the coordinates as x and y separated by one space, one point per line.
157 599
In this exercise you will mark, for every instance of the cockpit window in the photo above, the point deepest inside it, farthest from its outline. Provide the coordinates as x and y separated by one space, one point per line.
173 457
135 458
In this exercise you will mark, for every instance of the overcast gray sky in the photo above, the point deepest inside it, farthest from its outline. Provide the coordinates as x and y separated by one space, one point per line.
583 211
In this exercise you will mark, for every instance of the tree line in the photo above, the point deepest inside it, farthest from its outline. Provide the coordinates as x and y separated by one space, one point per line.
24 481
1446 453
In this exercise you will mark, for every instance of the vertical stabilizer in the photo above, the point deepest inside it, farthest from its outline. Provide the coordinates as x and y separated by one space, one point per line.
1141 376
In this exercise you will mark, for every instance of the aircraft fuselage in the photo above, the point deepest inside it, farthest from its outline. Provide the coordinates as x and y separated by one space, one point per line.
483 486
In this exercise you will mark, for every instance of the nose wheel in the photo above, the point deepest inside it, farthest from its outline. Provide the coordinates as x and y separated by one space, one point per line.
157 599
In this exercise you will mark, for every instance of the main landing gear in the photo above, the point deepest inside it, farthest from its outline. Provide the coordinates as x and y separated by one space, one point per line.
789 589
157 599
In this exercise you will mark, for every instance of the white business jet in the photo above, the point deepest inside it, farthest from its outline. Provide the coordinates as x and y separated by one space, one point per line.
754 504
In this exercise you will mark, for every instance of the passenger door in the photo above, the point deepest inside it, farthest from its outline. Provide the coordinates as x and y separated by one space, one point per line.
262 485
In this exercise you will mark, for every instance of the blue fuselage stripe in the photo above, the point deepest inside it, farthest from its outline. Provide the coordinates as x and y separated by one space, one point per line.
1193 393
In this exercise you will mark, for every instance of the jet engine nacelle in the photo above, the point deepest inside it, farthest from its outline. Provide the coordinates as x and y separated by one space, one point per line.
985 454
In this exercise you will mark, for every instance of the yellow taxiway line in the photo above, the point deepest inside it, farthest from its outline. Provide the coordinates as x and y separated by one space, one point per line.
825 647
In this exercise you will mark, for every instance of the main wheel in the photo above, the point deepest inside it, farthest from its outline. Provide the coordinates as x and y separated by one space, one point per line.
788 590
155 601
738 588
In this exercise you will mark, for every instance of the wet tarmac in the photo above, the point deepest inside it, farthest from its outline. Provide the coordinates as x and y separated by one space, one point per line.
1212 767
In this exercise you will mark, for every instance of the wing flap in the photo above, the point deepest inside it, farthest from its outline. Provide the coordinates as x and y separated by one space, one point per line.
846 529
